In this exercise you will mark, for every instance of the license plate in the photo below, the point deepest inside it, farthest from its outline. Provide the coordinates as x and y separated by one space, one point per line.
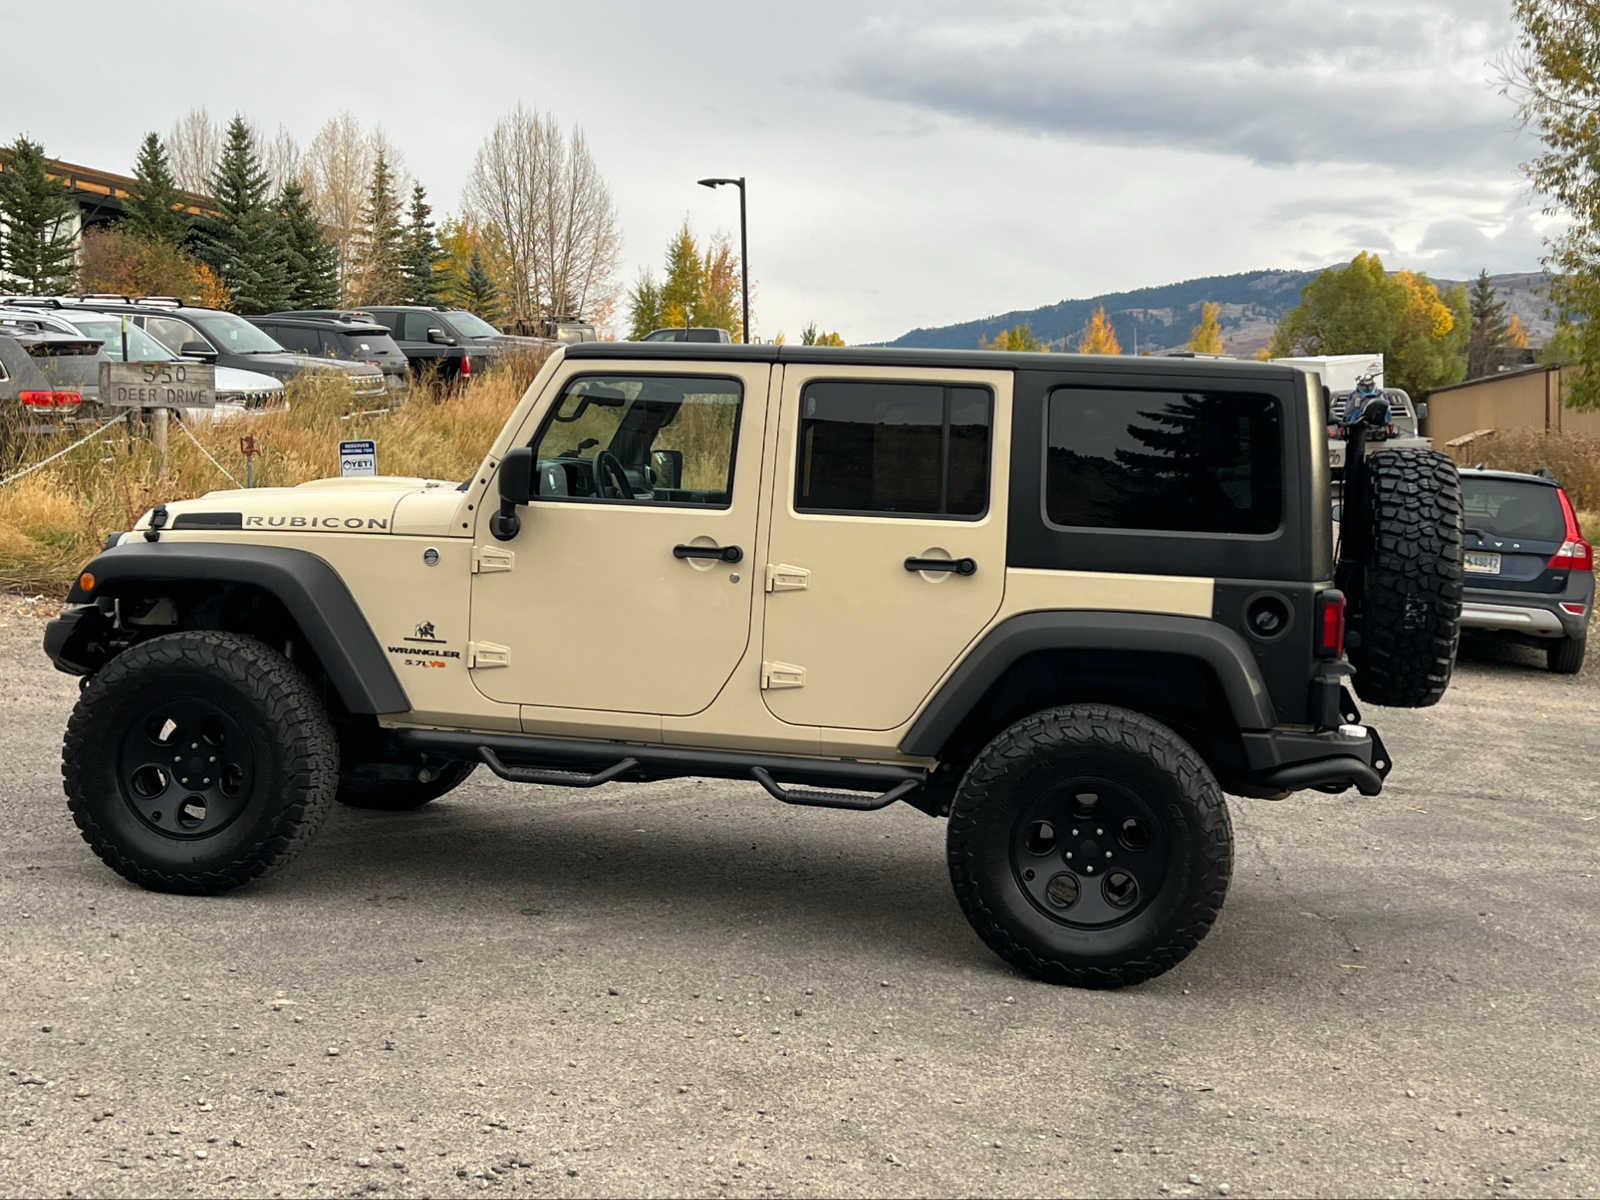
1481 562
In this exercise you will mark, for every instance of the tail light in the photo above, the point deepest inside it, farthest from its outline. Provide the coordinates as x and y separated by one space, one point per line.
1330 624
1575 553
43 399
466 365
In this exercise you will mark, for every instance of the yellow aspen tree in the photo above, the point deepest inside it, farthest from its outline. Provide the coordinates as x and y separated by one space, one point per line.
1098 335
1516 335
1206 337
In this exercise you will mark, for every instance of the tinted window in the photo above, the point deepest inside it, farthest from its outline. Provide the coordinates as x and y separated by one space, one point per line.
360 344
229 332
1198 462
171 332
296 337
893 448
1509 508
417 325
468 325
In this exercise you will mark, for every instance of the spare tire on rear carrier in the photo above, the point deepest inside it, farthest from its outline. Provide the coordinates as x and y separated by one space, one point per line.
1399 566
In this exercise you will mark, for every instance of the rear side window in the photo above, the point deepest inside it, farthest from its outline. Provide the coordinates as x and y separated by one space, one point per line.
1176 461
894 448
1509 508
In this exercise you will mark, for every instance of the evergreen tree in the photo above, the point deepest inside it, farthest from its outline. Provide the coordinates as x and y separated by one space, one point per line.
1490 332
244 245
477 291
686 280
155 206
421 262
380 245
1018 337
38 250
644 306
313 260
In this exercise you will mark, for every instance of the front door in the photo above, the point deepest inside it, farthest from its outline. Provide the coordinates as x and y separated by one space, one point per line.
888 539
628 588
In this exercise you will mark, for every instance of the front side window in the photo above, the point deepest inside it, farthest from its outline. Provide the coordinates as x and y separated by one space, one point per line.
1177 461
417 325
893 448
641 439
171 332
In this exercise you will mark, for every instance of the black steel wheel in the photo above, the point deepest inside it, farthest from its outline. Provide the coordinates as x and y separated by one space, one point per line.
1090 845
197 761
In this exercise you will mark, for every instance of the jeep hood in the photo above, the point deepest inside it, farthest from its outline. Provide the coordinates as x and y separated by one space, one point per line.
359 505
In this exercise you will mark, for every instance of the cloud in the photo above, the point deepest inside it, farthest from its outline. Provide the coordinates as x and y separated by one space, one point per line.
1299 83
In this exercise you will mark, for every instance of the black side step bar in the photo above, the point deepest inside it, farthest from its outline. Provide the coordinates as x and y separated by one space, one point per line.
575 779
859 802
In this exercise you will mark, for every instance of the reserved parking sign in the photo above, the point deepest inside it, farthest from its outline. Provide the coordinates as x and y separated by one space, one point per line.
358 458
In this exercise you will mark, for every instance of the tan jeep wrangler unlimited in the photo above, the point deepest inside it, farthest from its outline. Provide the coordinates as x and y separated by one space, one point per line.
1066 601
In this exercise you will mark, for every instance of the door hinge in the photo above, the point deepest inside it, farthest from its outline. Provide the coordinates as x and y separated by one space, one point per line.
488 654
486 560
781 577
776 675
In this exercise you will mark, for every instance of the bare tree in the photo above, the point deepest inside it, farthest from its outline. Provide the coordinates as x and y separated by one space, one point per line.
338 167
280 155
544 198
193 147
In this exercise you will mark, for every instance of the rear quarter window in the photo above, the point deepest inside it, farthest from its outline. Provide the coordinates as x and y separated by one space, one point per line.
1176 461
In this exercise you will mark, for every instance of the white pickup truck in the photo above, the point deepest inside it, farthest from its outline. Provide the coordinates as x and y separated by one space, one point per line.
1340 373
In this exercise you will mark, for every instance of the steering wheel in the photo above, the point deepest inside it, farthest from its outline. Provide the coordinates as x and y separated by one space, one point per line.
608 470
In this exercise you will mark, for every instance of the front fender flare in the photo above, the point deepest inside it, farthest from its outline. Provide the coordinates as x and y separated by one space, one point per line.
1214 645
310 590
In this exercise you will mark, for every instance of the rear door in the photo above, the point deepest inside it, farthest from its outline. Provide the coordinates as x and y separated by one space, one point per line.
888 544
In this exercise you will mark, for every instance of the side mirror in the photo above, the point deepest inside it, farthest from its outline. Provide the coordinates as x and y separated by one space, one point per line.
440 338
516 488
666 466
200 350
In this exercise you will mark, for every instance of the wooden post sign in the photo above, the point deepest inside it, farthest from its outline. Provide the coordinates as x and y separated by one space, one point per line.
161 385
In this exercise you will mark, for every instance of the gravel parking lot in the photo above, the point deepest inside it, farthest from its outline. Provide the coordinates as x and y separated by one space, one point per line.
687 988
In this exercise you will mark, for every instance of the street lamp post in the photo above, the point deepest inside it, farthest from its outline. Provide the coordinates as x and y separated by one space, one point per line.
744 246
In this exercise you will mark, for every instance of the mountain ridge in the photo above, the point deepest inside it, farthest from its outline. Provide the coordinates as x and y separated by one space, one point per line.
1161 317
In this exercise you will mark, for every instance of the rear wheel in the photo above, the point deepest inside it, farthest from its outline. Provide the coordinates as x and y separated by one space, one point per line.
1566 656
197 761
1404 584
1090 846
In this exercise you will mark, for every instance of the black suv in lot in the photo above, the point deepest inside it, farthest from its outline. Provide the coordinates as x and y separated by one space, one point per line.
227 339
352 336
451 342
1529 570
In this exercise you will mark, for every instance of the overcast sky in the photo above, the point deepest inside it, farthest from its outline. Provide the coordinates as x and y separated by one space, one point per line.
908 164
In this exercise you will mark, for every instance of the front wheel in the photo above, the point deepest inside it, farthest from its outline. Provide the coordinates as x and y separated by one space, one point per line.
198 761
1090 846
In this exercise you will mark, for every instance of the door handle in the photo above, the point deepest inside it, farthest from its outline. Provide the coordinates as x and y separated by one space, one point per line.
961 566
727 554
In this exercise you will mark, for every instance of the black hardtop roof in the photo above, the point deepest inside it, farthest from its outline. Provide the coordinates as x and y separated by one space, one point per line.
345 322
1517 476
887 356
107 304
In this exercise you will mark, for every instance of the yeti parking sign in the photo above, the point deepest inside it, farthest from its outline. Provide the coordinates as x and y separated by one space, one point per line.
358 458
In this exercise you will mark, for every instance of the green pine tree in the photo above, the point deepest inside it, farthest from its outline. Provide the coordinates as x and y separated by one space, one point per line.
421 260
1490 334
38 233
312 259
155 206
477 292
686 280
644 306
380 245
244 245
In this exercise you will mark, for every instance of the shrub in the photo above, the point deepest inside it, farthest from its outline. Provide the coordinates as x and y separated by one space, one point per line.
1573 458
126 264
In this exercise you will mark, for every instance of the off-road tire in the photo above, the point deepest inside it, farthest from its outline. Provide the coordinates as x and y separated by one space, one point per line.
1566 656
1405 621
1062 747
361 785
280 719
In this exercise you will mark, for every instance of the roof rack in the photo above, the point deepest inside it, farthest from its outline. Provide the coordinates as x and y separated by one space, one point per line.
31 302
103 296
174 301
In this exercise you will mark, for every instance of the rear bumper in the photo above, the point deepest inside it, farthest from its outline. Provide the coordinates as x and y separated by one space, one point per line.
1286 760
1531 614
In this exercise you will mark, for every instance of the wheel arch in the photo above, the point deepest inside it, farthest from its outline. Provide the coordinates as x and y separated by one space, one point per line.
1157 664
305 589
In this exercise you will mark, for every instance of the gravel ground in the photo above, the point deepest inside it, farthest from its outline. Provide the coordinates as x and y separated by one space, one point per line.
687 988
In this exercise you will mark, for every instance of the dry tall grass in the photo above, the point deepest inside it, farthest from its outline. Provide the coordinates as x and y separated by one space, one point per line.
55 519
1574 459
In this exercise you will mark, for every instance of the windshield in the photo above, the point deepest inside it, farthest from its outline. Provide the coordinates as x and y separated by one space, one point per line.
473 327
141 345
236 335
1509 508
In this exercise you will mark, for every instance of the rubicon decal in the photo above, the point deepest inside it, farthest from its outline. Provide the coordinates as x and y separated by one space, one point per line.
304 522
